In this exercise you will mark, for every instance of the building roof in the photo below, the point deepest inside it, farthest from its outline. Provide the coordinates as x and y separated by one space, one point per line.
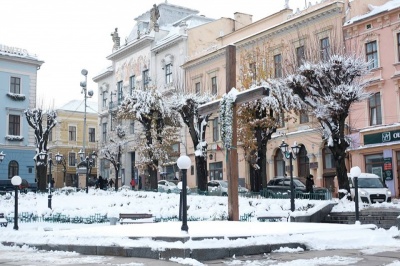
374 10
79 106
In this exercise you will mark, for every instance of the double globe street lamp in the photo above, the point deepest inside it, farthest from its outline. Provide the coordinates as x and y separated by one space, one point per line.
42 157
89 163
290 154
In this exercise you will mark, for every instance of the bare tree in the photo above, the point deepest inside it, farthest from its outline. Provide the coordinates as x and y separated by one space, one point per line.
36 118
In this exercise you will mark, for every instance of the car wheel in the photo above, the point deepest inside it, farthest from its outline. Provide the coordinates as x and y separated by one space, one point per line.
224 194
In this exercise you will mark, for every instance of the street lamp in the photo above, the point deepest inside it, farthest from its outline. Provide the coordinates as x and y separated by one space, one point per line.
184 163
290 154
89 164
42 157
87 94
355 173
16 181
61 160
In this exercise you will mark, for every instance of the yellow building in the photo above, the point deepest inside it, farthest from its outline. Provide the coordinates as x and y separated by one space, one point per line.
67 139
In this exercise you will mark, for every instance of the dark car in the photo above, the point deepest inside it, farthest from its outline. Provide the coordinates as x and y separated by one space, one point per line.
280 186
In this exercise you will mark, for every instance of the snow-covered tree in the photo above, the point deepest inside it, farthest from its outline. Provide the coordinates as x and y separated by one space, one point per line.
330 88
187 106
150 109
42 122
112 152
258 120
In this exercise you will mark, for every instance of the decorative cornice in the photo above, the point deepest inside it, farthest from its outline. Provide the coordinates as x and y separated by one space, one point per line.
169 43
136 45
293 24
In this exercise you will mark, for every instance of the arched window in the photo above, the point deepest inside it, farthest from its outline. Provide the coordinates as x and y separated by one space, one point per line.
279 164
13 169
303 162
329 160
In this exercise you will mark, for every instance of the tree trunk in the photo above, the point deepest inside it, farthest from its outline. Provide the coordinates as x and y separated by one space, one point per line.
41 178
252 178
201 172
153 175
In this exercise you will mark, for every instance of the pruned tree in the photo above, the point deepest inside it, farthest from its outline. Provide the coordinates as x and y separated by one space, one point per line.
112 152
259 119
187 106
330 88
36 118
149 108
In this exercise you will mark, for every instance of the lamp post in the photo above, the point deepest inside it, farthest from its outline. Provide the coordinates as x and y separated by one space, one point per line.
184 163
61 160
89 164
290 154
16 181
355 173
42 157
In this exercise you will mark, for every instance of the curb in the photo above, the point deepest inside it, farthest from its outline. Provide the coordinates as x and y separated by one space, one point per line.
201 254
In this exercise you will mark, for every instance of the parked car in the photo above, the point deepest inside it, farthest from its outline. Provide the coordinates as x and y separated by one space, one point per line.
220 188
371 189
167 186
280 186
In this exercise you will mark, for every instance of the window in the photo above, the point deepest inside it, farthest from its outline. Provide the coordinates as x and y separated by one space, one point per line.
146 78
324 45
371 52
72 159
279 164
374 164
214 89
72 133
92 134
304 117
104 127
15 85
375 114
215 130
168 73
329 160
300 56
132 81
14 125
197 88
132 127
278 65
13 169
398 47
216 171
120 95
304 162
104 99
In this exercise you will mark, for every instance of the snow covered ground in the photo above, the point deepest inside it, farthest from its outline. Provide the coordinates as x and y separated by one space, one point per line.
207 208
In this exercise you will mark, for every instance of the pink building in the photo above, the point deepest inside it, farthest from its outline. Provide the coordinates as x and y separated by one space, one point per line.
374 123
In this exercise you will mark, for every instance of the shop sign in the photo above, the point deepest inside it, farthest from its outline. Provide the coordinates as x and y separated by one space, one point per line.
387 168
382 137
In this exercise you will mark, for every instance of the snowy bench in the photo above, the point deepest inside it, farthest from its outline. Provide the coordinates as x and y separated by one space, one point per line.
3 221
130 218
272 219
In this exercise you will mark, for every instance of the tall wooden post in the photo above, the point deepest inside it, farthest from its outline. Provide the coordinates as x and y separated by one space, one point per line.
232 155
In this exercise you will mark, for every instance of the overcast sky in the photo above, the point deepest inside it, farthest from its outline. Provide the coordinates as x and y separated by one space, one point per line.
71 35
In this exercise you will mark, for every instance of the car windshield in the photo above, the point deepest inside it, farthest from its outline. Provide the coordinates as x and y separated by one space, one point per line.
223 183
370 183
298 183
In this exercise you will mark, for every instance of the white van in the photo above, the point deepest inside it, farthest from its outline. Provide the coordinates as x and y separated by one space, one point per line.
371 189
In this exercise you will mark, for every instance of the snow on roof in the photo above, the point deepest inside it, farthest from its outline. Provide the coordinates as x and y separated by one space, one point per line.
79 106
393 4
17 52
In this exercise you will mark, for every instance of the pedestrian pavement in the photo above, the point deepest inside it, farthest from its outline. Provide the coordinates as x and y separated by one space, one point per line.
169 243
